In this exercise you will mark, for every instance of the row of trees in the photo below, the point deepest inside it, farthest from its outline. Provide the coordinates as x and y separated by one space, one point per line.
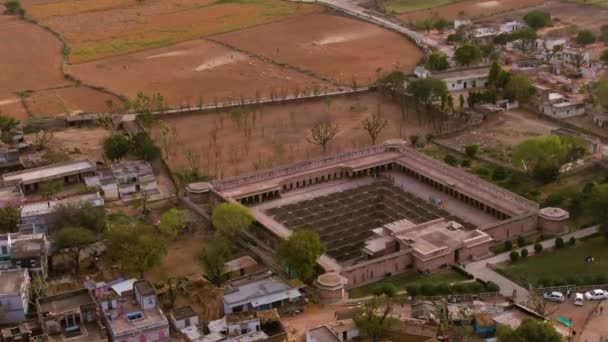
118 145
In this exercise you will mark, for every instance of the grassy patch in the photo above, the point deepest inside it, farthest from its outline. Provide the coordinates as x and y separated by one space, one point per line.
563 266
404 6
407 278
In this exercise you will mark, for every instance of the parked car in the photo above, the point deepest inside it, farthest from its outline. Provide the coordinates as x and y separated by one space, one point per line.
578 299
596 294
554 296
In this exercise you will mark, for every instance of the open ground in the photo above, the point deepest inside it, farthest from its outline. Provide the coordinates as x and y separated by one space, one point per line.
337 47
469 9
193 72
96 29
231 143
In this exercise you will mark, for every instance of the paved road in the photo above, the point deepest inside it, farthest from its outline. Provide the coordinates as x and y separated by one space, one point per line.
352 7
481 270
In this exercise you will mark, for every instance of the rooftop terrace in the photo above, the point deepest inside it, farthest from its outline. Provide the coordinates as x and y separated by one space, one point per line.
11 281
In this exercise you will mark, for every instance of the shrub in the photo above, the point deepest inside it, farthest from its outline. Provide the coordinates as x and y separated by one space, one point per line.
524 253
604 56
572 241
414 140
514 256
427 289
443 288
463 271
471 150
450 160
508 245
492 287
474 287
482 172
538 19
387 289
521 241
413 290
585 37
538 248
465 163
499 173
559 242
459 288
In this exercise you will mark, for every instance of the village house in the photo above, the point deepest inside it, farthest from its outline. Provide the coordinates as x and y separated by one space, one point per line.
20 250
71 315
484 35
14 295
27 331
240 267
135 315
70 172
555 104
511 26
126 180
261 291
339 330
39 214
10 160
262 325
459 79
183 317
461 22
10 196
321 334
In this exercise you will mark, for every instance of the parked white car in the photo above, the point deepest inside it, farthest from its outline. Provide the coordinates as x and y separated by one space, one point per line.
596 294
578 299
554 296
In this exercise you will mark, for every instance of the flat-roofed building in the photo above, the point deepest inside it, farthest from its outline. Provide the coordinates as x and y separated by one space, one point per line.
70 172
14 295
20 250
240 267
321 334
258 292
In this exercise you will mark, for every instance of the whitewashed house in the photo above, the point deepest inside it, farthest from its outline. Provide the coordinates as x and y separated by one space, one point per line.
14 295
511 26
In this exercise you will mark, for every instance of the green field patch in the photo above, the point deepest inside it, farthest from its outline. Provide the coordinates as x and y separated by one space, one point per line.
405 6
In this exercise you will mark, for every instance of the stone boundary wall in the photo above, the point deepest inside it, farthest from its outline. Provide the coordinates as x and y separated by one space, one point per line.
511 228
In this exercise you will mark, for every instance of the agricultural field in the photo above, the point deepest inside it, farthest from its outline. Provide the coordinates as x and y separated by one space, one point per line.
571 265
336 47
96 29
405 6
467 9
192 72
66 101
244 140
603 3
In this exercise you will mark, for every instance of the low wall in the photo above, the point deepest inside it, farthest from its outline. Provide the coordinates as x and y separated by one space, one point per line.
511 228
377 269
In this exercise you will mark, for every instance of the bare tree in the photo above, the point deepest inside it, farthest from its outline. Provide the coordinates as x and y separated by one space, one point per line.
537 303
42 138
168 138
373 126
194 161
548 54
578 59
322 133
110 121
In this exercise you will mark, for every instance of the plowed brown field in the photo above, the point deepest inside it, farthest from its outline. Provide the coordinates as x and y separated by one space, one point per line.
470 9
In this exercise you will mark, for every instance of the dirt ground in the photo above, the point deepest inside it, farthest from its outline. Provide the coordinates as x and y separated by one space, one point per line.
498 139
578 314
340 48
68 101
578 15
101 28
190 71
78 143
236 142
469 9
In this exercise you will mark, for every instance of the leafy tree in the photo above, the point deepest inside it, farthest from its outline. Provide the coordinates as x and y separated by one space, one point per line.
173 221
301 251
393 80
499 173
530 330
74 239
527 37
373 126
13 7
450 160
147 253
7 123
80 215
467 54
514 256
213 257
436 61
427 90
49 188
585 37
37 287
373 319
424 24
471 150
537 19
440 24
597 206
604 56
495 71
9 219
322 133
518 88
116 147
144 147
601 91
230 219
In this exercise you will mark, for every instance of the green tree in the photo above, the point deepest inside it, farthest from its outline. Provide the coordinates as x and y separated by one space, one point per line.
116 147
212 258
73 240
436 61
467 54
585 37
373 320
537 19
601 91
471 150
604 56
49 188
519 88
230 219
530 330
144 147
80 215
440 24
495 71
9 219
427 90
7 123
135 247
604 33
597 206
450 160
301 251
13 7
514 256
172 222
147 253
393 80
